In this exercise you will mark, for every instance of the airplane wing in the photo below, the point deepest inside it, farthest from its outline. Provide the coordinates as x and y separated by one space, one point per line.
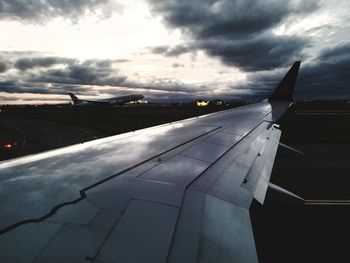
178 192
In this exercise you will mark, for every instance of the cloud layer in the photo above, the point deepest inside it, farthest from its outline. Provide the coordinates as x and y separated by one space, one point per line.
43 10
59 75
240 34
3 67
326 77
236 32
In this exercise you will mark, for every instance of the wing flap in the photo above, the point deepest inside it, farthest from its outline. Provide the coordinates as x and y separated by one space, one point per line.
226 178
259 175
210 229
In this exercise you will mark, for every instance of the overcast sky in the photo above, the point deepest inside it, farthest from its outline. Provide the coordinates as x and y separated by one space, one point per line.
171 49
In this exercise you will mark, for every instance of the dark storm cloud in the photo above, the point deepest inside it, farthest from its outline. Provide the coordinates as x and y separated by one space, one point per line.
8 86
3 67
261 52
90 72
326 77
56 75
236 32
13 86
208 18
219 18
38 11
30 63
336 54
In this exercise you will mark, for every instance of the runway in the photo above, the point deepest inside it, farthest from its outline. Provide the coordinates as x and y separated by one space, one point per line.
322 113
313 230
327 202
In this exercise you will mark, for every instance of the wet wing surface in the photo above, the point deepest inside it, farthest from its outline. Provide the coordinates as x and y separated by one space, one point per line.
178 192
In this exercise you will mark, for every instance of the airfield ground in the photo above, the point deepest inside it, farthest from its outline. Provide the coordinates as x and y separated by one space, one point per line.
285 231
296 232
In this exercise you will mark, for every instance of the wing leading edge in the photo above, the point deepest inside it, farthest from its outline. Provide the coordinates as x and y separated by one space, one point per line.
181 195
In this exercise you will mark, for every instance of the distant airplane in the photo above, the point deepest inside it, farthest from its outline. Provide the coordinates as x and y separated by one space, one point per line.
116 101
178 192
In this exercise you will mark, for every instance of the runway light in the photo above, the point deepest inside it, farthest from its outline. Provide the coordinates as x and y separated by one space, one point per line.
202 103
8 146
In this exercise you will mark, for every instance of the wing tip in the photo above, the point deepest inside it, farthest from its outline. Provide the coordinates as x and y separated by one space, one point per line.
285 89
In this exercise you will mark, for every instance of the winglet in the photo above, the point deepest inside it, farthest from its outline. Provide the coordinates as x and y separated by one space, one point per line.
284 90
73 97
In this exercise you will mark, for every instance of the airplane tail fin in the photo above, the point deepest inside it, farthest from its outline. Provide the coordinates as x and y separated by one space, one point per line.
73 97
284 90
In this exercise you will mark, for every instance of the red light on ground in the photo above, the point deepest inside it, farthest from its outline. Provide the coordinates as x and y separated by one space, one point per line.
8 146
